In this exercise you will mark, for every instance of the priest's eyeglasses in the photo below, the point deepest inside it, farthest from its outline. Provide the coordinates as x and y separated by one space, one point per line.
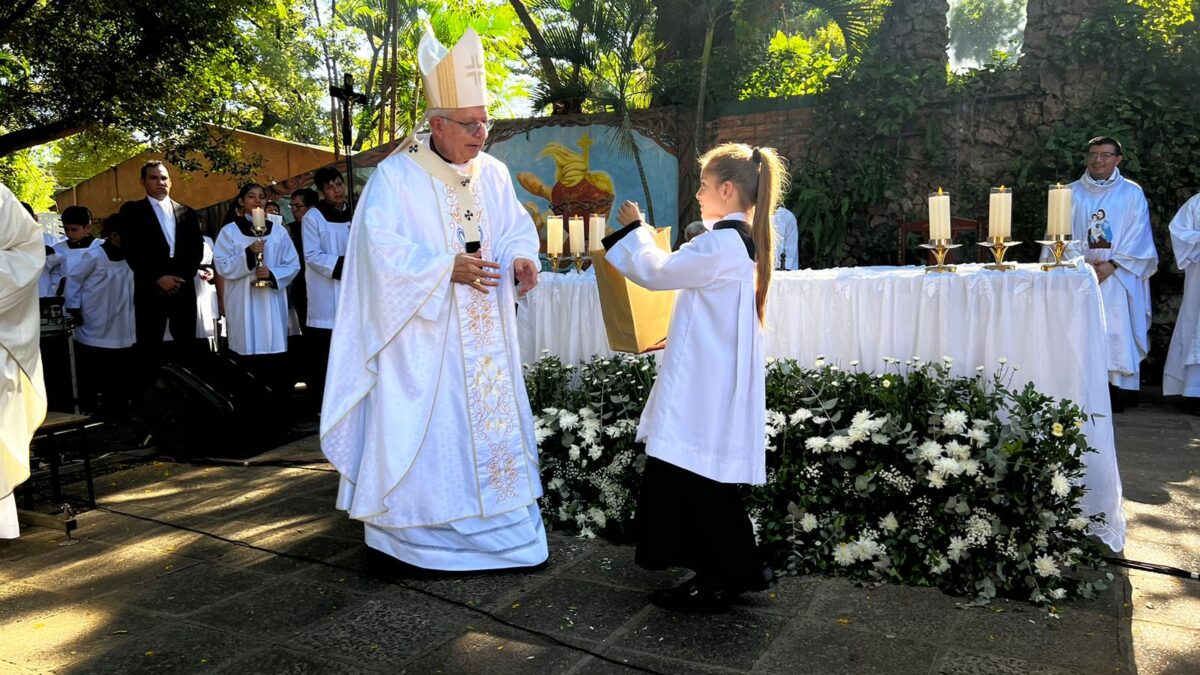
1093 156
473 128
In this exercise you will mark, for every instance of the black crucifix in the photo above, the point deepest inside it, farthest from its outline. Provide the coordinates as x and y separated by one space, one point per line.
348 97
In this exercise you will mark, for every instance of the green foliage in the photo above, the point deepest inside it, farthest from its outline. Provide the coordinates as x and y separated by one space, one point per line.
25 175
796 65
982 29
90 152
914 475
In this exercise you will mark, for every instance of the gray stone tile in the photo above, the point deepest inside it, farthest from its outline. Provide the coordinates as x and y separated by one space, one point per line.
78 632
49 556
824 649
364 570
98 573
1022 631
1165 650
733 640
573 608
387 633
792 596
21 602
172 647
280 610
566 550
301 552
1165 599
33 541
289 509
627 662
279 660
889 609
193 588
496 649
966 663
487 590
612 564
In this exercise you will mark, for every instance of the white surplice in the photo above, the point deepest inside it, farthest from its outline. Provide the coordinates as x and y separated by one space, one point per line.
206 298
324 247
52 271
1110 221
105 297
425 412
1181 374
22 390
69 257
708 419
256 318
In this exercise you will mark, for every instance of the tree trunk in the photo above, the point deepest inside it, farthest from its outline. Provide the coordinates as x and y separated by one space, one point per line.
539 43
331 75
21 139
702 95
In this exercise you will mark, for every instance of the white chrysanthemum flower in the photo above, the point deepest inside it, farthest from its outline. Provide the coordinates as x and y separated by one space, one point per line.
954 421
856 434
1059 485
816 443
808 522
567 420
1045 567
970 467
866 548
800 416
573 453
1058 593
595 452
597 516
958 546
978 436
540 434
585 532
1041 541
936 480
844 554
947 466
929 451
819 363
958 450
887 384
979 369
1078 523
820 419
889 523
948 359
880 439
854 363
861 419
940 567
839 443
1002 360
553 412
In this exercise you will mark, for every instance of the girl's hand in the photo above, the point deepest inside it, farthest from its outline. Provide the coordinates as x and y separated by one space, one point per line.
628 213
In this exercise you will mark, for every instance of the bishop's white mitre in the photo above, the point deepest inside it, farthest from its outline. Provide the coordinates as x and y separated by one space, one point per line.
454 78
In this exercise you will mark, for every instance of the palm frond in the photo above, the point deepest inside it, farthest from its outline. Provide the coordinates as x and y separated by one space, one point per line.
856 18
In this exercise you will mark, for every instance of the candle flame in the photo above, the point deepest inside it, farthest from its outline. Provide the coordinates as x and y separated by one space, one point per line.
1002 188
1058 186
939 191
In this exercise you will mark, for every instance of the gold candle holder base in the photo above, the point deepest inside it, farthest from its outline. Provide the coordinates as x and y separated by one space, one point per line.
939 248
261 283
998 247
578 262
553 262
1058 245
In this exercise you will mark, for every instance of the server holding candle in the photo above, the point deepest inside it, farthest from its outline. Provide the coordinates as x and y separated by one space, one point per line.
257 316
1110 222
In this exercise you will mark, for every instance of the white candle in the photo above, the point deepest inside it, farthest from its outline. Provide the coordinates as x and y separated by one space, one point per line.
596 231
1058 216
939 215
554 234
575 230
258 217
1000 213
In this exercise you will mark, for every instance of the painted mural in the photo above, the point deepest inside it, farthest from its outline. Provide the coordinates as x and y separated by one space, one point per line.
577 170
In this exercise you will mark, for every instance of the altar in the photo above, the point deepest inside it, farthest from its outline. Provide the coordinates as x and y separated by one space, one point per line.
1049 326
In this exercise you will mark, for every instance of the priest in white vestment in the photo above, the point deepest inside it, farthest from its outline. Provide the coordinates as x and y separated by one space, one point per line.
425 413
1181 375
1110 224
22 392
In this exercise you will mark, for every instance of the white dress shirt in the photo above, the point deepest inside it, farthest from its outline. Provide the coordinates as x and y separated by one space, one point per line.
165 210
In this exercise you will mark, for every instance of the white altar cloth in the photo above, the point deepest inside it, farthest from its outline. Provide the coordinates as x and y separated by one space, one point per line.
1048 324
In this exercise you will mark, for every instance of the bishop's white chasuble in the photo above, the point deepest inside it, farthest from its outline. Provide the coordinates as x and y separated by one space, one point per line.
425 412
1181 375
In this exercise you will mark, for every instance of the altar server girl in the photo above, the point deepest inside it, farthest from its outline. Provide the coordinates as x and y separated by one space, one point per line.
705 420
257 316
103 301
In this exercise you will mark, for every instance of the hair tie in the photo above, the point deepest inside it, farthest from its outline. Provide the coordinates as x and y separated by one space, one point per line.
756 156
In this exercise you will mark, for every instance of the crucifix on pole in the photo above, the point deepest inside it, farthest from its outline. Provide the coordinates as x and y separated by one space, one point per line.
348 97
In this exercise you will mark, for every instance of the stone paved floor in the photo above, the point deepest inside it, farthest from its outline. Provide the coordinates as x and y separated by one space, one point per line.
252 571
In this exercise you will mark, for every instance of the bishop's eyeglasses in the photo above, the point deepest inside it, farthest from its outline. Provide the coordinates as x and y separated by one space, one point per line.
472 128
1093 156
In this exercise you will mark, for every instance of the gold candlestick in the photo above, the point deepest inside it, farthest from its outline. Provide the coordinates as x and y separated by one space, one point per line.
939 248
1058 245
553 262
578 262
998 246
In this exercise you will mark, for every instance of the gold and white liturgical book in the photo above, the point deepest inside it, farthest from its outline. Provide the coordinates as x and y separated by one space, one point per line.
635 318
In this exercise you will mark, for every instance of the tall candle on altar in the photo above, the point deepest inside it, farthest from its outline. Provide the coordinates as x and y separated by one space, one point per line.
554 234
595 231
575 230
939 215
1000 213
1058 215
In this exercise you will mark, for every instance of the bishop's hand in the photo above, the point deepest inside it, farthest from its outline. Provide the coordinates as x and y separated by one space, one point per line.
471 270
526 272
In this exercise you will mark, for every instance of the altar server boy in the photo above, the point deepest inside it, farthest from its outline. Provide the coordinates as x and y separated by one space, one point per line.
704 421
77 224
103 301
257 316
325 231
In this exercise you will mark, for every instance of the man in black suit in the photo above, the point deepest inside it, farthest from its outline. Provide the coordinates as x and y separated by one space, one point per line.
163 244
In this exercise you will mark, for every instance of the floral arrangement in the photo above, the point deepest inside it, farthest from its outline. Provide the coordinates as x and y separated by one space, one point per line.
910 474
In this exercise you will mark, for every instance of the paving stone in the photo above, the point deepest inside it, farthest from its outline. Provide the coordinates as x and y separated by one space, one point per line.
967 663
20 602
612 564
1174 554
115 570
835 649
733 640
289 510
33 541
574 608
890 609
496 650
386 633
306 549
1030 634
7 668
49 556
172 647
566 550
1165 650
77 633
278 660
279 610
190 589
364 570
628 662
792 596
1165 599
